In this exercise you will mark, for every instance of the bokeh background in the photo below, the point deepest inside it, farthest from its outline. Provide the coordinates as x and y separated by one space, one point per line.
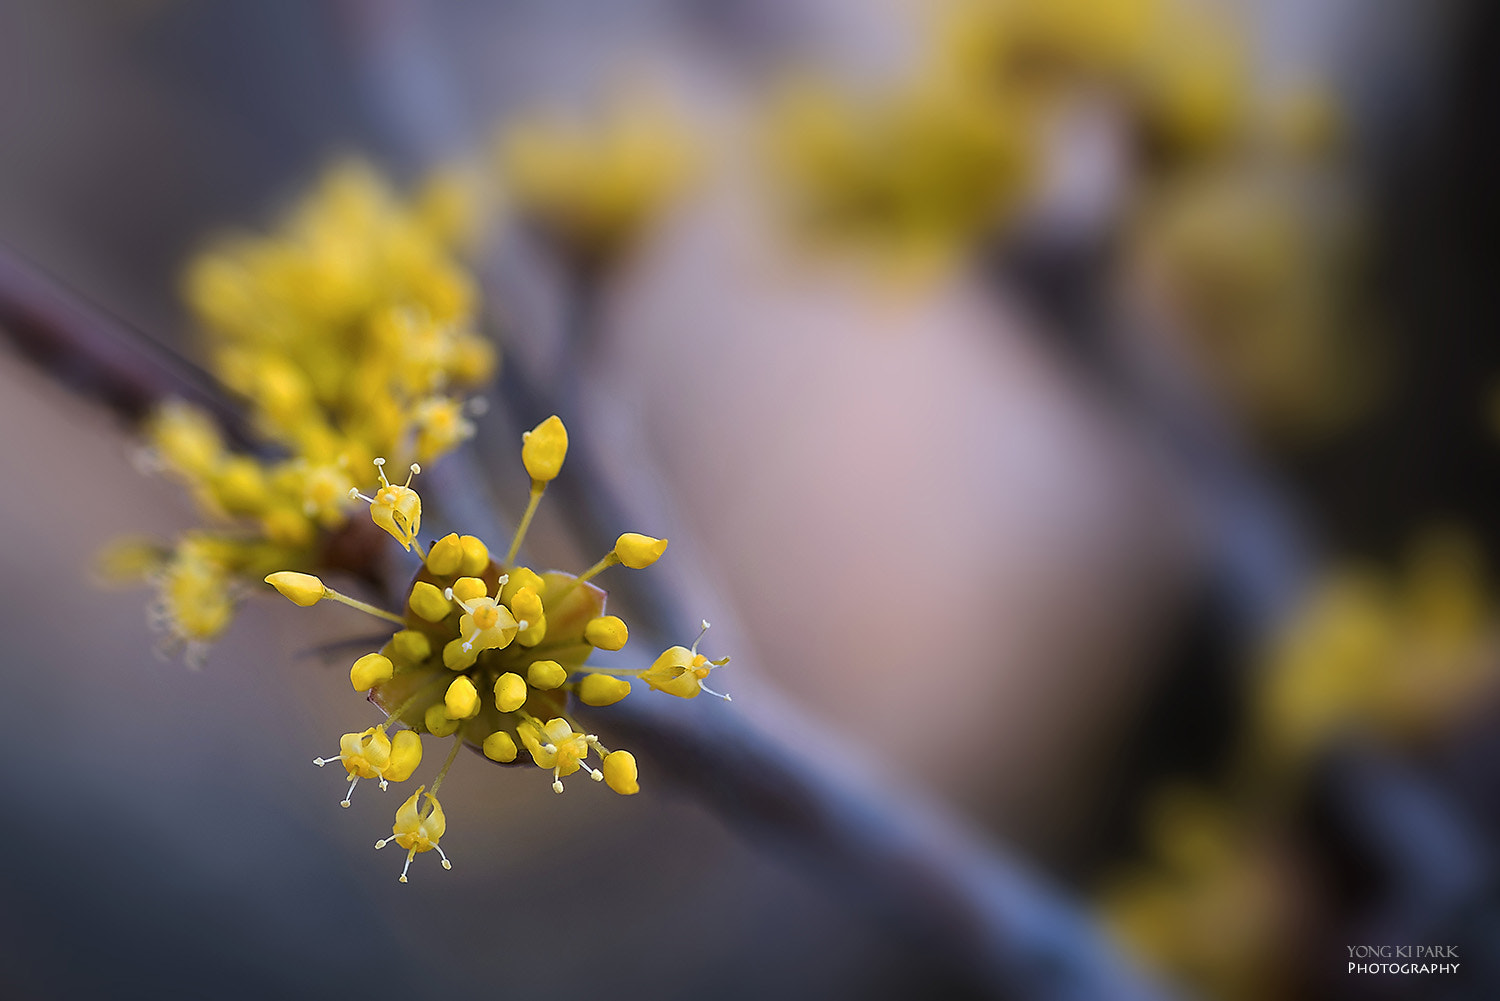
1093 430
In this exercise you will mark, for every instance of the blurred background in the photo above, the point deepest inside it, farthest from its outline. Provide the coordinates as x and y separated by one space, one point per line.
1083 414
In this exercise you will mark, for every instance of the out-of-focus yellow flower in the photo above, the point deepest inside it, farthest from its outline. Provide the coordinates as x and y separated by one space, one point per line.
1255 271
913 175
1396 657
349 330
1212 904
596 184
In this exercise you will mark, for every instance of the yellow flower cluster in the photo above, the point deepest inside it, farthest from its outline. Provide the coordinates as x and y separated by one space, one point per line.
926 167
490 653
1394 657
594 185
349 331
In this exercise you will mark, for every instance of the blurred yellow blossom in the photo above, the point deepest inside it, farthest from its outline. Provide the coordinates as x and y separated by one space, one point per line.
595 183
349 332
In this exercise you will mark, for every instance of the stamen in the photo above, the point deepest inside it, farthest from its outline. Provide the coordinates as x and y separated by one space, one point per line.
383 842
443 856
701 634
350 794
413 471
709 691
409 856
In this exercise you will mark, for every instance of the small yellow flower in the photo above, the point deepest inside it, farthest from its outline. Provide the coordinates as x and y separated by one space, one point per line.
680 671
397 509
441 426
185 440
556 745
373 755
486 625
417 832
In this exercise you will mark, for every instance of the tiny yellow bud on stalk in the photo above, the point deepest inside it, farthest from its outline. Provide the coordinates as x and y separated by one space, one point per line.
428 602
299 588
500 746
607 632
370 670
620 773
543 449
476 556
638 551
510 692
469 588
546 674
446 556
462 699
602 690
411 646
438 722
406 755
518 578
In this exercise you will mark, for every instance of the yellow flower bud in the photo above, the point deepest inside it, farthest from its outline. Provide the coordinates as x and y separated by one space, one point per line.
510 692
518 578
469 588
406 755
527 607
602 690
438 722
620 773
299 588
607 632
638 551
411 646
476 556
428 602
462 699
241 486
446 555
546 674
543 449
370 670
500 746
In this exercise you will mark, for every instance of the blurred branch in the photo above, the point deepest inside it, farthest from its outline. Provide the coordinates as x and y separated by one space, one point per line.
82 346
